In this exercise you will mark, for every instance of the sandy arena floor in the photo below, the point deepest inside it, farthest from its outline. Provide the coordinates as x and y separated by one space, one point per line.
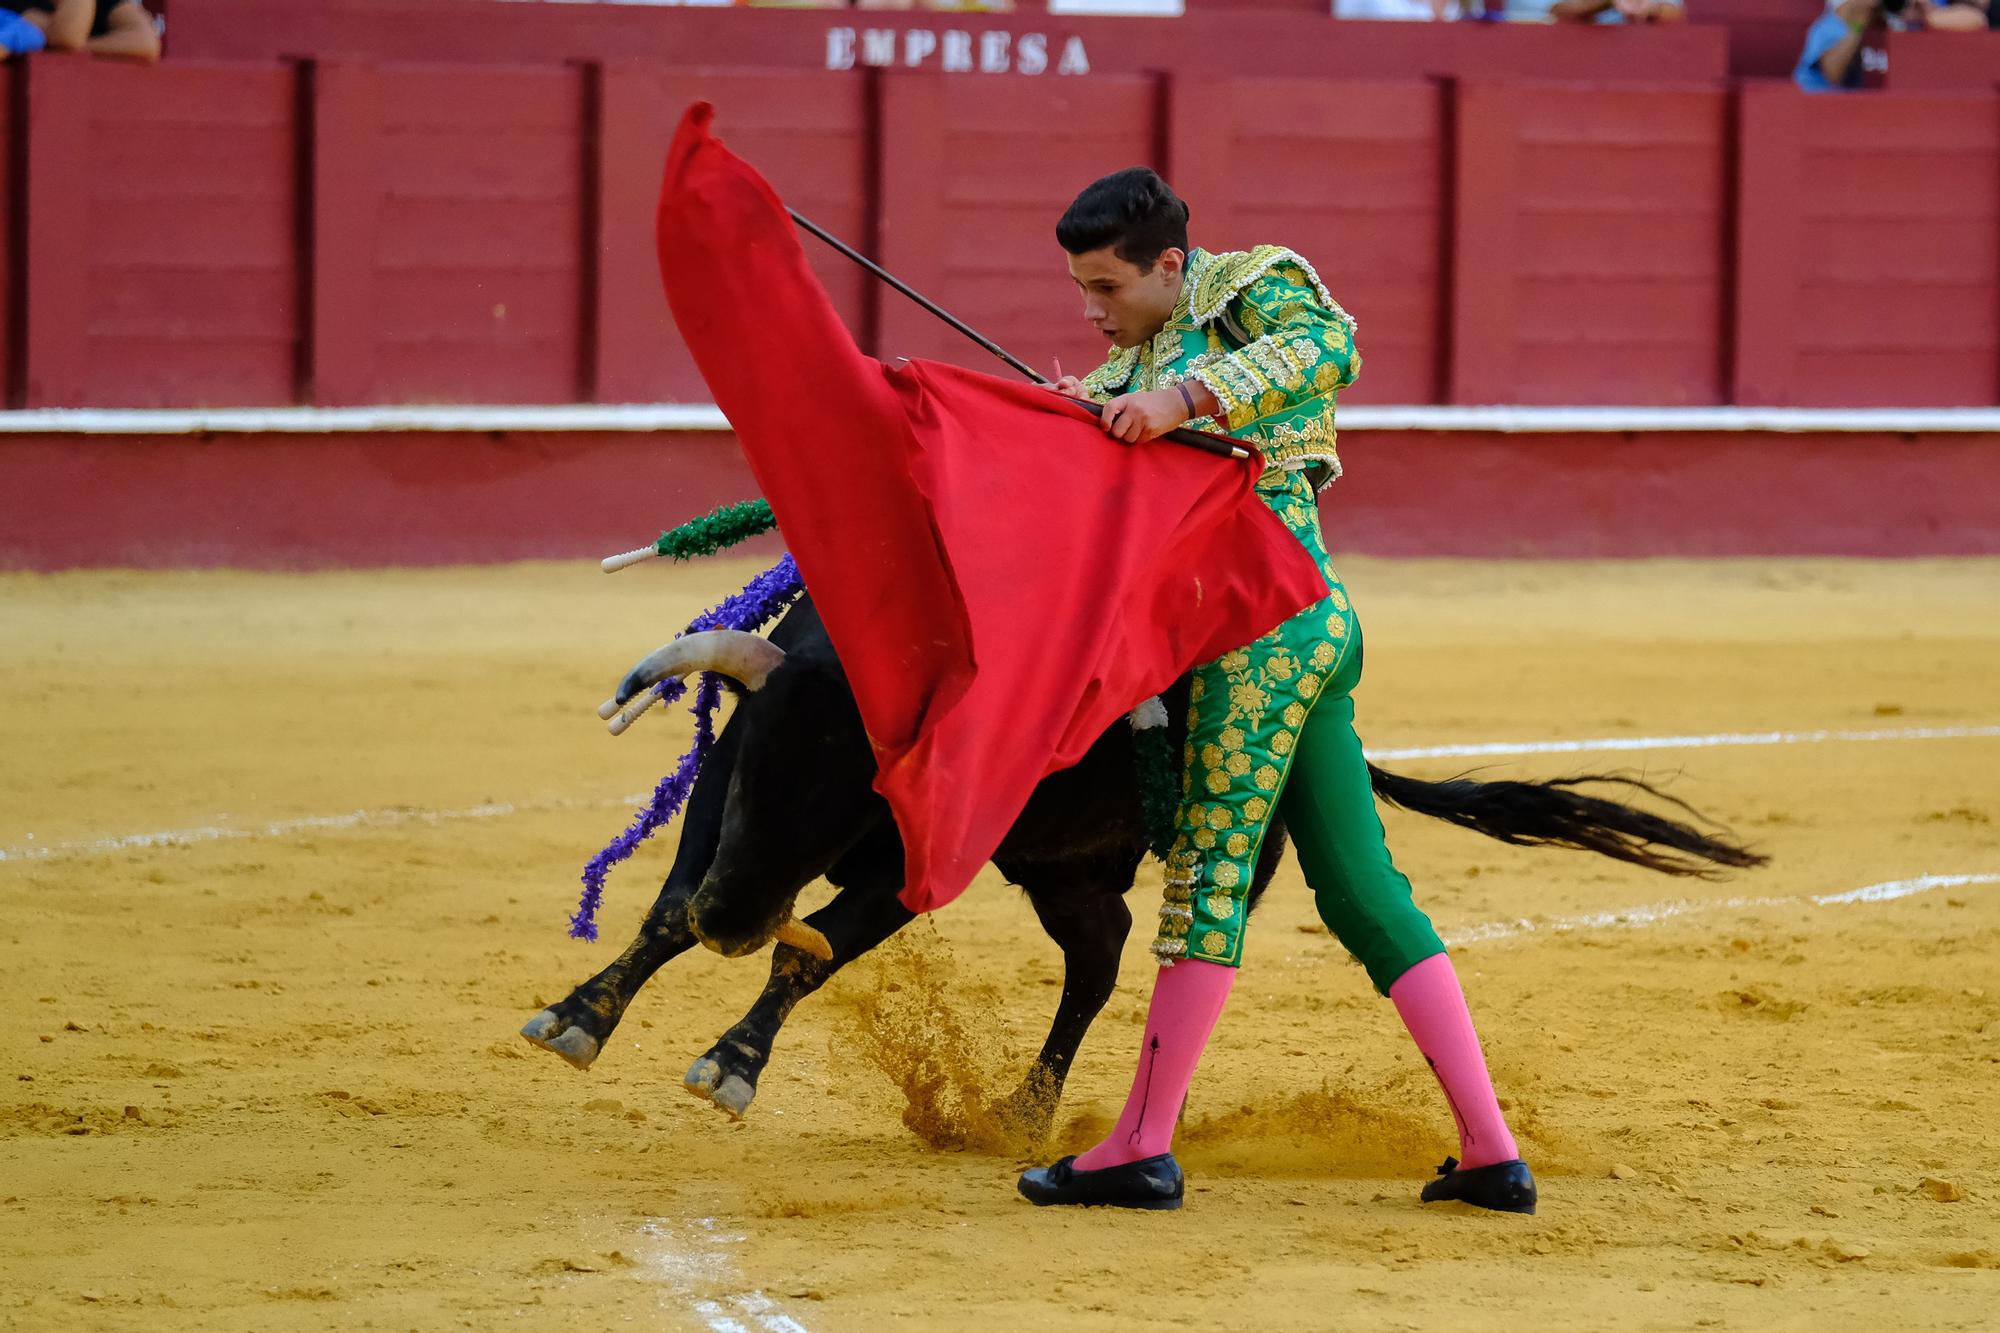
265 1075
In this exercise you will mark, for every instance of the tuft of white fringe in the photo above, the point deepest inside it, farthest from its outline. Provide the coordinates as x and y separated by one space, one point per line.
1149 715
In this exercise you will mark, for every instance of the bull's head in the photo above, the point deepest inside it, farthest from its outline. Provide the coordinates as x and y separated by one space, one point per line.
725 923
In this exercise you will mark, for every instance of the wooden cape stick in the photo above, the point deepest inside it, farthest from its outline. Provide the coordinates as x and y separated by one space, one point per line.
1193 439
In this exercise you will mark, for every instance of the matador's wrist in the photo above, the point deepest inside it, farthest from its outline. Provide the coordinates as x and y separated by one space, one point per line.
1188 399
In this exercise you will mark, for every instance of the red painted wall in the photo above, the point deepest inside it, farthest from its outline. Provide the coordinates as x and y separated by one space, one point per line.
295 501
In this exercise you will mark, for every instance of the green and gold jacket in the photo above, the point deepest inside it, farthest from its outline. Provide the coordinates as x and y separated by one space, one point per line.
1259 330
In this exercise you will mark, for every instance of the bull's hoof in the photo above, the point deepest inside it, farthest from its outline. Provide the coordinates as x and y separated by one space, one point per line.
712 1079
1028 1114
707 1080
734 1095
552 1032
1027 1117
701 1077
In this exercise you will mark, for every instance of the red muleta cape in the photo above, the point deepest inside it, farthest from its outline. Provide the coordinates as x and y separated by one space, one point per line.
1001 580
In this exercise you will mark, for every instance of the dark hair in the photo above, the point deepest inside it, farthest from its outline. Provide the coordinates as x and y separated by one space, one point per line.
1133 210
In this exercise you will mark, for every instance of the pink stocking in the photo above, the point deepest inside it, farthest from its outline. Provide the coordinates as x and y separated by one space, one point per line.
1432 1004
1187 999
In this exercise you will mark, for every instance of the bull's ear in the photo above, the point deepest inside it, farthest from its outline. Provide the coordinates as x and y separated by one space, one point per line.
803 937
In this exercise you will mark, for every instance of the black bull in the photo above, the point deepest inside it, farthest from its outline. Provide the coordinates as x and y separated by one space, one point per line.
786 797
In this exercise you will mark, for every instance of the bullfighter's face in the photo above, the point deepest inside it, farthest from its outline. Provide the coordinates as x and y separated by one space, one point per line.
1126 303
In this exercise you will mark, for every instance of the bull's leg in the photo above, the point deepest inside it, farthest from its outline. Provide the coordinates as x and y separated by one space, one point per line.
800 803
1084 912
577 1028
861 916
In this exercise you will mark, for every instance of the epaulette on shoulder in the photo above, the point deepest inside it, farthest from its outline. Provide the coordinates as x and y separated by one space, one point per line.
1224 276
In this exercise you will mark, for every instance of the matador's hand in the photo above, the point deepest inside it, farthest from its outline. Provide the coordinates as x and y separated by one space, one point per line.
1133 417
1067 385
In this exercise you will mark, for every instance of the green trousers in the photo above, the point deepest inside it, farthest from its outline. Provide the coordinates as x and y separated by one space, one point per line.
1271 727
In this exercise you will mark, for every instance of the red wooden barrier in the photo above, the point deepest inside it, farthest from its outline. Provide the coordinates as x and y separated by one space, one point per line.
1351 175
12 206
161 236
807 132
55 294
1590 246
970 198
310 501
345 233
474 178
1765 36
1923 62
292 501
1868 268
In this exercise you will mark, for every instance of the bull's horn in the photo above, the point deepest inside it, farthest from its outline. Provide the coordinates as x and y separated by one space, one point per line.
803 937
749 658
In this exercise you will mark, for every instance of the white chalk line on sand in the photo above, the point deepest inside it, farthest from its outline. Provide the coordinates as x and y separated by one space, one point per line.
279 828
393 816
1652 914
696 1259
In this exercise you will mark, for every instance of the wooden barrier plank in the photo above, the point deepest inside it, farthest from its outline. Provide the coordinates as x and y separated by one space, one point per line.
912 215
970 204
477 259
1617 253
191 277
55 277
343 205
1922 62
13 96
1588 234
1347 174
1768 237
1484 230
627 333
1898 298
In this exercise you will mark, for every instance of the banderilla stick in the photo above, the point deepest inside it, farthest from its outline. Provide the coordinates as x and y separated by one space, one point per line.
1193 439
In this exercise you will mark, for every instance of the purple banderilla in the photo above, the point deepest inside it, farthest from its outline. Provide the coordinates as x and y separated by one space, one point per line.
750 610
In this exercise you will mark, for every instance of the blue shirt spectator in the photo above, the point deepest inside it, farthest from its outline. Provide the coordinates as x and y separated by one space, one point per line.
122 28
1837 57
18 37
1831 35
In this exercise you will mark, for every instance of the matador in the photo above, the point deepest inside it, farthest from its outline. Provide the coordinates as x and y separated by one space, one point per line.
1252 345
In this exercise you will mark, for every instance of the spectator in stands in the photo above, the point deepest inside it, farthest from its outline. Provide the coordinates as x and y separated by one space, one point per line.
18 37
1595 11
1419 10
123 28
1838 52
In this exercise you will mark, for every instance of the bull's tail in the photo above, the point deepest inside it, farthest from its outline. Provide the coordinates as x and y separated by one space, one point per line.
1556 814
